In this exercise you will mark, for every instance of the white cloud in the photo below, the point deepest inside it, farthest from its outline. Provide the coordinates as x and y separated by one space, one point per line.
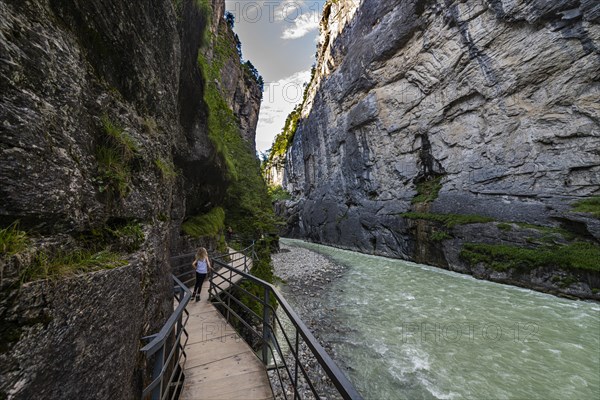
288 10
279 99
302 25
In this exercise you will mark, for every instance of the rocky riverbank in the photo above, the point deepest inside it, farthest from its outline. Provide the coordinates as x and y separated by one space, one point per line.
305 276
304 272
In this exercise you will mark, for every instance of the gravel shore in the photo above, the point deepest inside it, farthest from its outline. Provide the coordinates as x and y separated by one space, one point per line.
304 272
305 277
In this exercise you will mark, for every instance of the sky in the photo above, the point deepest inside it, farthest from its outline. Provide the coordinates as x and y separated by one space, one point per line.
279 37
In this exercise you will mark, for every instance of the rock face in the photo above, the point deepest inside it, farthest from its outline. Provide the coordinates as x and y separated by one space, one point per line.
102 128
80 338
497 101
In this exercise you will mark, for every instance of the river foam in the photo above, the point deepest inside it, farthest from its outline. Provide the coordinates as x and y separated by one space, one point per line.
405 330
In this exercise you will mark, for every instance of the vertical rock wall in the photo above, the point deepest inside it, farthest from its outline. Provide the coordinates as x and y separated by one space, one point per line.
497 101
78 79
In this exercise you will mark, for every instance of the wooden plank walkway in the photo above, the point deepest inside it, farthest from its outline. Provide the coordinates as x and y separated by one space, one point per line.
220 365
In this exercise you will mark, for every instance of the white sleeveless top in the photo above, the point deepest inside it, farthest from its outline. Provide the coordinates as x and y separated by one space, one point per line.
201 267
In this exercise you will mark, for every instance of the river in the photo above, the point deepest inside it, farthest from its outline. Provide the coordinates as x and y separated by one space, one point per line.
410 331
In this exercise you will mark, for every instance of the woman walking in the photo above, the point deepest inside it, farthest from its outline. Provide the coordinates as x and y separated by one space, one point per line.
202 266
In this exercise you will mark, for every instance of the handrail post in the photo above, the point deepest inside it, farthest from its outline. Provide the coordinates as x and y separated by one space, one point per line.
158 366
230 284
266 329
211 283
297 362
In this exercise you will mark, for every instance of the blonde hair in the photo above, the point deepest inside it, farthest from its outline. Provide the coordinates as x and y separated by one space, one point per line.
201 254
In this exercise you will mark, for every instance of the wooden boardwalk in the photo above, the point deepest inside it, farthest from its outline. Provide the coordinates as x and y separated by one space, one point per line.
220 365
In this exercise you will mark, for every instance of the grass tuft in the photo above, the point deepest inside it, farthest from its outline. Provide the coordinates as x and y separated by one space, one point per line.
12 240
166 168
130 237
73 262
590 205
113 171
504 226
114 155
120 139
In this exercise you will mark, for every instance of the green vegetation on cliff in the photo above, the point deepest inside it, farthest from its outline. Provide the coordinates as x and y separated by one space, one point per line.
12 240
284 139
113 172
449 220
210 224
222 123
577 255
247 204
114 154
119 139
439 236
278 193
70 262
101 248
548 232
251 72
590 205
427 190
166 168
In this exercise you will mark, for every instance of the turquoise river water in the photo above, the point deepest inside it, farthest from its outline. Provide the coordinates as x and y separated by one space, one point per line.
410 331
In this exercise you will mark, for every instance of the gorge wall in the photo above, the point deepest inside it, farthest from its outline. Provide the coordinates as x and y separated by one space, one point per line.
105 152
457 134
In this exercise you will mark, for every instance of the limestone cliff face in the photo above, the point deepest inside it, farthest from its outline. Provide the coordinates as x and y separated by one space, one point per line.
498 102
243 96
104 146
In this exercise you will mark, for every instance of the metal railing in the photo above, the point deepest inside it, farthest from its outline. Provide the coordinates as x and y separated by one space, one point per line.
243 258
167 347
280 353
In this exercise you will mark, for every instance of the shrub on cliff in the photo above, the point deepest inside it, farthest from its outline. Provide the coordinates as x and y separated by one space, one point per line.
278 193
252 72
